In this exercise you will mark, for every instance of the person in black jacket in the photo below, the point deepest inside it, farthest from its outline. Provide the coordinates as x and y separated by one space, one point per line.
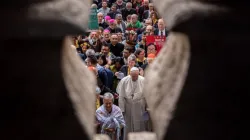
115 47
128 11
113 11
142 9
162 30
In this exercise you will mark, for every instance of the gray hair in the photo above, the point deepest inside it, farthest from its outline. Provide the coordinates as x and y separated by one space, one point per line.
128 3
134 15
108 95
118 15
132 57
90 52
100 13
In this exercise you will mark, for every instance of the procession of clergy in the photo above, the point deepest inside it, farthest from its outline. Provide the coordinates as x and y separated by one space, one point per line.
119 54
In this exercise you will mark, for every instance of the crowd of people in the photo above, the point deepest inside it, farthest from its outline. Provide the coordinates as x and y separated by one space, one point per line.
118 54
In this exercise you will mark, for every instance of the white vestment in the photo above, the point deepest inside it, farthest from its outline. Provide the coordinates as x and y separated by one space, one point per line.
132 103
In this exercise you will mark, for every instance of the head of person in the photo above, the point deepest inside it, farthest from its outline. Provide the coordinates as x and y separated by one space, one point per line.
101 59
94 35
91 61
108 100
90 52
140 53
104 4
119 2
153 15
112 24
113 7
100 31
107 18
118 62
131 60
161 24
128 18
114 39
134 18
148 22
126 52
100 17
134 73
144 36
151 6
120 35
106 35
150 58
84 47
151 49
105 49
145 3
93 6
118 18
149 28
128 6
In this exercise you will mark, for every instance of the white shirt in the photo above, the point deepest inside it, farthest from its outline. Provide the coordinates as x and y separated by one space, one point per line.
159 33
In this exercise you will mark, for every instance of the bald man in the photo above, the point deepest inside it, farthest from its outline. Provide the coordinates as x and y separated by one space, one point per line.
162 30
132 102
101 22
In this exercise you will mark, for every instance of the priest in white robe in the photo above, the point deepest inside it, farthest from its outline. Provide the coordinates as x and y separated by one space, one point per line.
132 102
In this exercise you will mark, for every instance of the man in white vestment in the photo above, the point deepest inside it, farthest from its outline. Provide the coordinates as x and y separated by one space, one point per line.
132 102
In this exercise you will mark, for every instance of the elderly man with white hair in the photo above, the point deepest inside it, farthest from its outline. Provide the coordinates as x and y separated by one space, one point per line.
132 101
110 117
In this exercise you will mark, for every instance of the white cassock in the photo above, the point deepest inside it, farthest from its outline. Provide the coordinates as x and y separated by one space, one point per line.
132 103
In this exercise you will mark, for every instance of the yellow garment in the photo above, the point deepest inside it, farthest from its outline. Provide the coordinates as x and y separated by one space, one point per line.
128 70
97 102
144 60
154 21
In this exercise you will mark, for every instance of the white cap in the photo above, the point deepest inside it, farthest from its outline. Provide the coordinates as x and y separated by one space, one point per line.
134 69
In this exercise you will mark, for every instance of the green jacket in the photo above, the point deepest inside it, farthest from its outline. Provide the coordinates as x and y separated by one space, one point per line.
136 25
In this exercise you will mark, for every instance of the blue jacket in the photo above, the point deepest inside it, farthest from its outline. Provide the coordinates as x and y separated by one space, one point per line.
106 76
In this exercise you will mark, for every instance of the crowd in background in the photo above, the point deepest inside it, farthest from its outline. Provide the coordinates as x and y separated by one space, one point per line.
118 52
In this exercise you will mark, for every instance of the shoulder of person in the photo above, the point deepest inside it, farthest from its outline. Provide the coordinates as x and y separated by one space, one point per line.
141 77
99 110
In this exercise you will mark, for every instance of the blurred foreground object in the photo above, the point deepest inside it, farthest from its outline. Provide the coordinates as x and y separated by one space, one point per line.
43 95
199 83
